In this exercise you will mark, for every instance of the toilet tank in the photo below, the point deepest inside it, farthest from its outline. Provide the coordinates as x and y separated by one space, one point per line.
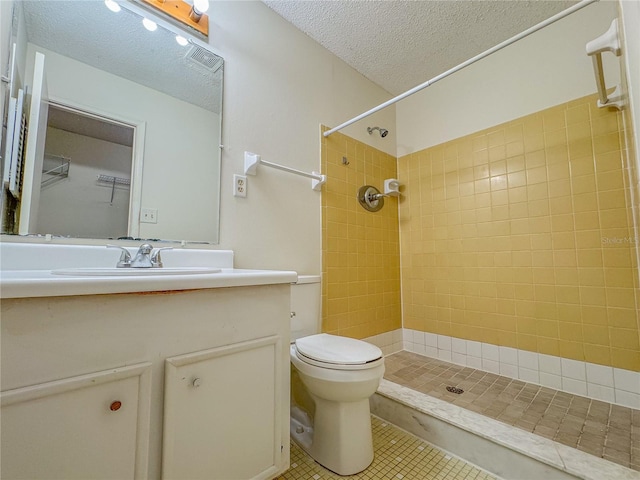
305 306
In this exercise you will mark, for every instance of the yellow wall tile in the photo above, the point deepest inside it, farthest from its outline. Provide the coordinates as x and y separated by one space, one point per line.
555 138
571 349
597 354
577 114
622 317
582 165
624 338
361 262
553 119
548 346
558 153
606 143
527 342
519 235
543 220
626 359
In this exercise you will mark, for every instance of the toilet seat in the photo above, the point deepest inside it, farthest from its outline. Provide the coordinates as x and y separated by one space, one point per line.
340 353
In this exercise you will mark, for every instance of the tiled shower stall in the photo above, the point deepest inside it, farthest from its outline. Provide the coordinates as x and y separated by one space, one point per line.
512 250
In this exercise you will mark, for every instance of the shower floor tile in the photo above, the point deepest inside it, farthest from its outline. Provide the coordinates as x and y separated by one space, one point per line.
598 428
398 455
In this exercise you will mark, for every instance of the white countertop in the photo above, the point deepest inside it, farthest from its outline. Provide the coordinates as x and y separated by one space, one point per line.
27 271
42 283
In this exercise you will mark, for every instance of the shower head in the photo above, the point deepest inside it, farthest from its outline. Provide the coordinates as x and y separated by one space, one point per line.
383 131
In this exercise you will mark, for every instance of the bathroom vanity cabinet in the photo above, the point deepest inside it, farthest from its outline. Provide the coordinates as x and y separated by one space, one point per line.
177 384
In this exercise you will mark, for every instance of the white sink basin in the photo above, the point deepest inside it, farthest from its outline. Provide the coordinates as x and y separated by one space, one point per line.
128 272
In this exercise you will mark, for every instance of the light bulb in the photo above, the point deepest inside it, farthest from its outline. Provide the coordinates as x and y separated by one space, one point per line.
198 9
183 42
201 5
111 5
149 24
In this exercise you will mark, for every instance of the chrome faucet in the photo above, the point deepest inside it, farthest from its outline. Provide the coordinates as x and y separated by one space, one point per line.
143 257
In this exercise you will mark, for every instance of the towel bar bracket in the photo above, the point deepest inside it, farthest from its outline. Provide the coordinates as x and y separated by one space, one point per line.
614 99
607 42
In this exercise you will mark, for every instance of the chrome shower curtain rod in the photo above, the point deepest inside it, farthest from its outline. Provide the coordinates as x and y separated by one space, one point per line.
480 56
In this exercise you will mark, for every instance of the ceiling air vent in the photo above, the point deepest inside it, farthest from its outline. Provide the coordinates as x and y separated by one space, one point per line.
204 58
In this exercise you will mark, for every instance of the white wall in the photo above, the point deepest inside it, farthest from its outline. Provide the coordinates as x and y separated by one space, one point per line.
78 205
179 156
544 69
279 87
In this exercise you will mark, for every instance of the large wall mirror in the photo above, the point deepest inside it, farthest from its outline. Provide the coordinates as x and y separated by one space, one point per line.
123 126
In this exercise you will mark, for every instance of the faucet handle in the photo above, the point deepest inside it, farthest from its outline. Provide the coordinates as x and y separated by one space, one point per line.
156 260
125 256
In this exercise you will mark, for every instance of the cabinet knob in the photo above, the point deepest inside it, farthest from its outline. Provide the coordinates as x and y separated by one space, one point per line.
115 406
196 382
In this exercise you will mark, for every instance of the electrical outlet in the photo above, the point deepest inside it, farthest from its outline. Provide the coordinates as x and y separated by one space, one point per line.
149 215
239 186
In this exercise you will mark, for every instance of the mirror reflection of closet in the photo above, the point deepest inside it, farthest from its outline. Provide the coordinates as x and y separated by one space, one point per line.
86 179
171 94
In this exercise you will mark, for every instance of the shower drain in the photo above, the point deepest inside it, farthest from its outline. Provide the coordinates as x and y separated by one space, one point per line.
455 390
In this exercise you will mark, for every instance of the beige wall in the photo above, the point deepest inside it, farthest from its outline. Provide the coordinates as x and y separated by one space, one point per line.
521 235
279 87
360 249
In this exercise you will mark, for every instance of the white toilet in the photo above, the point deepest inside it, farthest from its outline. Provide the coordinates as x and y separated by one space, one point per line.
332 380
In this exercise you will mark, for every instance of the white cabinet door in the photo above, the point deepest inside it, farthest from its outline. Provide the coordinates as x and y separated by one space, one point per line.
93 426
221 415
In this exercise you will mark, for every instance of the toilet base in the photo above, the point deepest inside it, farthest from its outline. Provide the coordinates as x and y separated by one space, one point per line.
340 438
301 428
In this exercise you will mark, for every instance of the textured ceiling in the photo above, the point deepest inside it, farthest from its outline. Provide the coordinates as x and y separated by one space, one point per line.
118 43
400 44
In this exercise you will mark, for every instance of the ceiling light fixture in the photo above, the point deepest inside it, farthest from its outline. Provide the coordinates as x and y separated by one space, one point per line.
183 42
149 24
191 13
199 8
111 5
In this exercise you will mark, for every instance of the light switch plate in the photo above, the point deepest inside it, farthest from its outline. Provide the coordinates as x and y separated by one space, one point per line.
149 215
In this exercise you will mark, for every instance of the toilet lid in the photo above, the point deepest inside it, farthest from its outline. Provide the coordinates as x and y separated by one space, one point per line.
337 350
